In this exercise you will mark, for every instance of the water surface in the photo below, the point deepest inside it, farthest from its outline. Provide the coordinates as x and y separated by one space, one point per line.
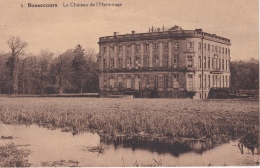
54 145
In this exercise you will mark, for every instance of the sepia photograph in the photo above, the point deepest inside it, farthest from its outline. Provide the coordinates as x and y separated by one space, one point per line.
129 83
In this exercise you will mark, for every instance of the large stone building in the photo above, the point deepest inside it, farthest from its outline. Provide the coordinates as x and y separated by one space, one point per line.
172 63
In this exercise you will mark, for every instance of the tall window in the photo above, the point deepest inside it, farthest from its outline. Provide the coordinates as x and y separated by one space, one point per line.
165 81
190 61
120 48
165 61
212 48
137 62
219 49
204 62
200 82
146 61
120 61
208 47
155 61
146 81
176 46
175 61
190 82
208 62
176 81
165 46
155 46
137 48
216 49
128 63
199 62
205 46
128 49
209 81
146 47
112 63
190 45
104 63
199 46
223 64
156 82
219 67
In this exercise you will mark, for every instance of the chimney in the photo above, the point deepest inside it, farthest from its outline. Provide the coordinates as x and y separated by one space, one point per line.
133 32
116 33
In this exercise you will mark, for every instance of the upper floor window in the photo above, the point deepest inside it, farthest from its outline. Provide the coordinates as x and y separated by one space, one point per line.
219 49
216 49
165 46
146 47
190 45
176 46
208 47
199 46
104 49
205 46
212 48
222 50
189 61
155 46
137 48
128 49
112 63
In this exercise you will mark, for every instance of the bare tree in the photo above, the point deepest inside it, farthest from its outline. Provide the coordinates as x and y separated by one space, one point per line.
17 48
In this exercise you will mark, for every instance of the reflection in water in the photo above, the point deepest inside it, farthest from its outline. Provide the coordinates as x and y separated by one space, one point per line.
53 146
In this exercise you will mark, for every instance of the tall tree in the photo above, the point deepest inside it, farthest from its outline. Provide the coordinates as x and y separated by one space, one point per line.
17 48
79 65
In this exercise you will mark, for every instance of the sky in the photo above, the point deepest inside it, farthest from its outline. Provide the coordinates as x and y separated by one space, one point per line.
62 28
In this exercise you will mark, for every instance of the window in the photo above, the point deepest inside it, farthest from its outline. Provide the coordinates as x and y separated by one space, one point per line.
104 49
146 47
128 83
223 64
137 48
200 82
226 65
223 81
199 63
155 61
165 46
209 81
176 81
176 46
146 62
208 47
112 63
219 67
190 82
226 50
205 46
199 46
137 62
175 61
226 81
155 46
189 61
120 61
128 50
222 50
111 83
216 49
120 48
219 49
212 48
146 81
165 61
208 62
128 63
104 63
165 81
190 45
120 80
204 62
156 82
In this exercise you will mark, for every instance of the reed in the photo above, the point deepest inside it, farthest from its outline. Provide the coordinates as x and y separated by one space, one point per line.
126 118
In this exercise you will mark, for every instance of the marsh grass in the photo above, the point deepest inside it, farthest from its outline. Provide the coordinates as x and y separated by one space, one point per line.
12 156
153 118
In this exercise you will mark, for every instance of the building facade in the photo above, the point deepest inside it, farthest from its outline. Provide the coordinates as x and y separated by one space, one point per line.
169 63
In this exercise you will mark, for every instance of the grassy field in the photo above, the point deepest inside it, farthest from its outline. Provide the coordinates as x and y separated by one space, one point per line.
168 117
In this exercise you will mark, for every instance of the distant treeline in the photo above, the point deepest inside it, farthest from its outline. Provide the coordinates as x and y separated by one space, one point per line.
245 74
74 71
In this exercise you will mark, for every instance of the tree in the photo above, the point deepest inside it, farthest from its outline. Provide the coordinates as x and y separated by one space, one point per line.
79 65
17 48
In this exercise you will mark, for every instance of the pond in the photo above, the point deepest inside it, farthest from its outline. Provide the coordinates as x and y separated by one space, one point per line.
53 145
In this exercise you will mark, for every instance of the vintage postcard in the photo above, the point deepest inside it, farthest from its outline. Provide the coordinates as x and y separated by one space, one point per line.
125 83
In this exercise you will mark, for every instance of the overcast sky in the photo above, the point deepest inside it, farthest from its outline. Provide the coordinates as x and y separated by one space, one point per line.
59 29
